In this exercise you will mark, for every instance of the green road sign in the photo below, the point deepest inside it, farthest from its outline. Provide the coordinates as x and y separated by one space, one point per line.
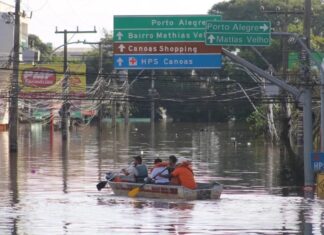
160 35
236 39
228 26
163 21
238 33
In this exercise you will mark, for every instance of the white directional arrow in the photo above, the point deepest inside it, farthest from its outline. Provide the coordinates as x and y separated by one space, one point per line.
119 35
211 38
121 48
120 61
264 27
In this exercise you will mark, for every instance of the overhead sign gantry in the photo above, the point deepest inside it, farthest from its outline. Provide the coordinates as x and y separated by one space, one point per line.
164 42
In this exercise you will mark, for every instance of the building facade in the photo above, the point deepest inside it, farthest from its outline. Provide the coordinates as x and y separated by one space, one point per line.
7 27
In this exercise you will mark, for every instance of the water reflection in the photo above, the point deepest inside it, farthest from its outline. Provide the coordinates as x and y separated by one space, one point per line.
14 190
49 187
152 203
65 157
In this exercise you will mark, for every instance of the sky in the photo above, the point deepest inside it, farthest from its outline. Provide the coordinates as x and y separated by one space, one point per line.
85 14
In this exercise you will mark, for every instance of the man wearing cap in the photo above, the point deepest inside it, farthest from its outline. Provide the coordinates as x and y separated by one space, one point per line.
184 174
136 171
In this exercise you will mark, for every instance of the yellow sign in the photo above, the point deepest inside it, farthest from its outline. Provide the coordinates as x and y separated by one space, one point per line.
48 78
320 185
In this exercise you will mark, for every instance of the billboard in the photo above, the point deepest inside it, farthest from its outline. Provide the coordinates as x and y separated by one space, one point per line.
47 79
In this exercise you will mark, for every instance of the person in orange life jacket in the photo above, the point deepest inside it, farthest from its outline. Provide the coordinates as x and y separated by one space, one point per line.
136 172
159 173
184 174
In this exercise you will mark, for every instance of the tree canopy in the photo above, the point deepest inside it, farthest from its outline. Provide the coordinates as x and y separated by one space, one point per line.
44 48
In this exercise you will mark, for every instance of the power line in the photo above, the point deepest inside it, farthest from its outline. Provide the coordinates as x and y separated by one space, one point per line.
65 83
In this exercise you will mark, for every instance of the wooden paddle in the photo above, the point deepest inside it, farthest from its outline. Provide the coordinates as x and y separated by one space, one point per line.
135 191
101 185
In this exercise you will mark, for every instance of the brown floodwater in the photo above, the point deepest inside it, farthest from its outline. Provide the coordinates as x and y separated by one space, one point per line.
49 187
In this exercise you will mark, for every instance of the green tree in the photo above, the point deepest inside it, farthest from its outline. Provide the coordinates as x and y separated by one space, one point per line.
44 48
274 11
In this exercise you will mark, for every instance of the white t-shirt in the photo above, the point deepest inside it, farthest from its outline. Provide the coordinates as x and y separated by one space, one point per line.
132 171
158 179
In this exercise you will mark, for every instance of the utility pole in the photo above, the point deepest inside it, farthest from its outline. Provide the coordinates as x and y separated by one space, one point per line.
308 174
126 120
304 97
322 105
286 13
123 76
65 82
100 102
307 138
152 93
100 70
285 106
113 100
307 21
13 108
306 101
100 61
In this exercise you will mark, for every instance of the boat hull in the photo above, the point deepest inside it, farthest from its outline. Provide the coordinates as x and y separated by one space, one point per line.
204 191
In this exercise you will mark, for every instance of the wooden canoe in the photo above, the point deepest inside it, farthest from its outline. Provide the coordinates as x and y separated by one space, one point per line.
203 191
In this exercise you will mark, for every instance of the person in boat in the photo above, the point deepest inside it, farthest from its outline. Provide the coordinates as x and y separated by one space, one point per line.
172 163
159 173
183 174
136 172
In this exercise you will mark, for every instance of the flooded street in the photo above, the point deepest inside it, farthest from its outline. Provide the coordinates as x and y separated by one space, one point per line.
50 187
